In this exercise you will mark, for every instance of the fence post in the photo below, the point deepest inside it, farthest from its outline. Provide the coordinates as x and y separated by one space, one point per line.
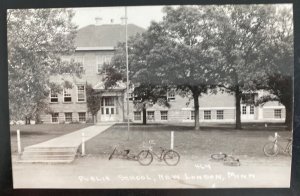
83 144
19 142
172 140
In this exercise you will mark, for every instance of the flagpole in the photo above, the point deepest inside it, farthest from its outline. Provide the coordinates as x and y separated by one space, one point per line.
127 73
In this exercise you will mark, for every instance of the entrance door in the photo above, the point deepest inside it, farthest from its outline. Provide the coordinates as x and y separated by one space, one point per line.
247 112
108 109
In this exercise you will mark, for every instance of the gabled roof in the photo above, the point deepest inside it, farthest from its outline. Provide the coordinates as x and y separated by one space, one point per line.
104 36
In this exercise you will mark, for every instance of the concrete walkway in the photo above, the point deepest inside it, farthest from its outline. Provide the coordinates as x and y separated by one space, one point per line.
62 149
74 139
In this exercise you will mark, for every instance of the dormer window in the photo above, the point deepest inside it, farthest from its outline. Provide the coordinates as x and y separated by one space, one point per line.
171 95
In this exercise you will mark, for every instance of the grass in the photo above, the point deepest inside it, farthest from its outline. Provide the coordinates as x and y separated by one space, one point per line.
34 134
188 142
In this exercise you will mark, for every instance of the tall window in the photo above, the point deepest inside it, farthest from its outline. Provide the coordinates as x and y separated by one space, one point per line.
81 93
53 97
68 117
67 95
101 60
171 95
220 114
207 114
277 113
79 59
150 115
244 109
251 109
137 115
192 115
54 117
164 115
82 117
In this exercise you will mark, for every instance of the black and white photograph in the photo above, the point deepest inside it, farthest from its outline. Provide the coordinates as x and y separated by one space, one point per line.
151 97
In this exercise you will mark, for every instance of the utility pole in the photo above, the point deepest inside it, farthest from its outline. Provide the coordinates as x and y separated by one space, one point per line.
127 73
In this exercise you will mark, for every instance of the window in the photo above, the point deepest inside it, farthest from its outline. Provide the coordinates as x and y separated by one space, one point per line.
171 95
109 101
68 117
82 117
150 115
248 98
55 117
137 116
192 115
81 93
130 97
79 59
207 114
277 113
101 60
53 97
164 115
251 109
244 109
67 95
220 114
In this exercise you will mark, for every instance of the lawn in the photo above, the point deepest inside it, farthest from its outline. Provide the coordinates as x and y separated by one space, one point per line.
34 134
248 142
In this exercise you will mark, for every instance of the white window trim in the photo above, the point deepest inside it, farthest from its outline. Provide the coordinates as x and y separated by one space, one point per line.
66 117
53 97
217 115
171 98
167 115
101 60
84 93
209 115
52 118
140 114
79 116
69 93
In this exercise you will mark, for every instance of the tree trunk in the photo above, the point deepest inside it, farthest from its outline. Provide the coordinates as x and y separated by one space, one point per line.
288 116
95 118
144 115
238 124
196 106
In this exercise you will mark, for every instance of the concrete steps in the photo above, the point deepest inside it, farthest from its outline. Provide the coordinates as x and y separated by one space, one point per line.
48 155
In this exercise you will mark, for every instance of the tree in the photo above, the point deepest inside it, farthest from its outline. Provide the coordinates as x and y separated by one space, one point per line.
146 88
37 38
278 74
185 54
93 102
245 30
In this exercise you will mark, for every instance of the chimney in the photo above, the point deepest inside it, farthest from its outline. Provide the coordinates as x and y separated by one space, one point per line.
98 20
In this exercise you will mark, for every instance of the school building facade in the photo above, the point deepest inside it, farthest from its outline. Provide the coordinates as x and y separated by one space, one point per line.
95 45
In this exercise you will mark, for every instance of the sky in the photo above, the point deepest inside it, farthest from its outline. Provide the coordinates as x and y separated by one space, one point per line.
138 15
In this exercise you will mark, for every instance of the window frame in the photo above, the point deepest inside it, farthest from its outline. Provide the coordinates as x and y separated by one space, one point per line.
137 114
220 115
67 94
82 92
205 115
148 115
80 117
171 95
164 116
53 97
100 60
55 117
276 113
68 118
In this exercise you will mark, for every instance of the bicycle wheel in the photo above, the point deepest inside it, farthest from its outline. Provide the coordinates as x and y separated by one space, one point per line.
171 157
111 155
218 157
231 161
290 149
145 157
271 149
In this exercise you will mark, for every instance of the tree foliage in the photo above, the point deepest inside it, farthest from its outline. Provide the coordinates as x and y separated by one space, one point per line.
93 101
37 38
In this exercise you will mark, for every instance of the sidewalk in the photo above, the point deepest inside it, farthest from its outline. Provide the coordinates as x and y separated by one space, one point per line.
73 139
62 149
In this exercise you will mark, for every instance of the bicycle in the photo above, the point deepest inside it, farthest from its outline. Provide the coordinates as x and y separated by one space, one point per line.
228 160
169 156
272 148
124 154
